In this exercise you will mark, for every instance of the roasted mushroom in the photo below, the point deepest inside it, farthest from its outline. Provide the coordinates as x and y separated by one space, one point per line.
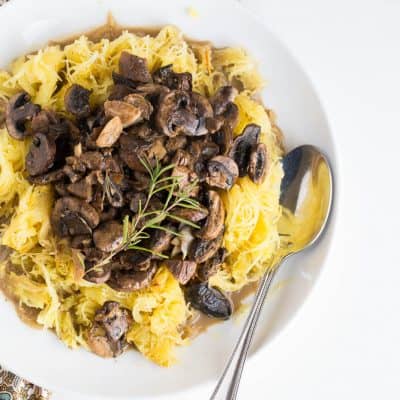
243 145
19 110
222 172
209 300
211 266
173 80
202 250
107 237
76 101
135 151
134 68
221 99
42 154
71 217
258 163
131 280
134 260
189 214
182 270
172 117
138 101
82 189
106 338
98 275
114 319
214 224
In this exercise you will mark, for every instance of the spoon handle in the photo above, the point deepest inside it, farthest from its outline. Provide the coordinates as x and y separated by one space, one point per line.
228 384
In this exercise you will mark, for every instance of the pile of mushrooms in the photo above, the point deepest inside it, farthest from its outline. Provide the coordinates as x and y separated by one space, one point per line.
92 158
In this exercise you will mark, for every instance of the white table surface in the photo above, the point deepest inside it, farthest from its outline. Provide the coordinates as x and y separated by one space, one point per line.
345 341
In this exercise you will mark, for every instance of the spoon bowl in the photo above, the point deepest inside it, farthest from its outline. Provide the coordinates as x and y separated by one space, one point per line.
306 201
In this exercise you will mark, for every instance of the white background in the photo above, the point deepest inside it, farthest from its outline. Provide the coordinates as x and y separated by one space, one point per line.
345 341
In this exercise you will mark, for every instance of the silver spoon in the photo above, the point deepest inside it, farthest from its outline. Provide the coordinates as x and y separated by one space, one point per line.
306 198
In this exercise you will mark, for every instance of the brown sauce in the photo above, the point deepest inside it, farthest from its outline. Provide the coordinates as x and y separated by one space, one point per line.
28 315
111 30
200 323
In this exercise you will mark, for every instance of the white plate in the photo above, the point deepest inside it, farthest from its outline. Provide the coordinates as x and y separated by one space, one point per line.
39 356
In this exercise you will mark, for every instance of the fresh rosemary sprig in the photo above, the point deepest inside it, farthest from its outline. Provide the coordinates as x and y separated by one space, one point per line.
135 229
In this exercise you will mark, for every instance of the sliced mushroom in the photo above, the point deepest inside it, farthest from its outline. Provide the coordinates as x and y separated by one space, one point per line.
222 172
224 139
258 164
130 280
192 215
41 154
71 217
107 237
99 275
159 241
135 260
172 117
152 91
106 337
182 270
221 99
214 124
76 101
82 189
202 250
137 100
119 91
115 320
166 76
214 224
113 192
231 115
19 110
175 143
183 158
211 266
100 344
110 133
243 145
134 151
49 177
127 113
209 300
201 108
134 68
81 242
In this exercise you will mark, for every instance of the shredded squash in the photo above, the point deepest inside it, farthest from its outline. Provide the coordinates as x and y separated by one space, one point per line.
42 273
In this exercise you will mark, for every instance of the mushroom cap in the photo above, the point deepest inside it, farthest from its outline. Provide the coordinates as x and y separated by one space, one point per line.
183 270
107 236
134 68
209 300
223 96
76 101
243 146
72 216
222 172
41 155
214 224
258 164
202 250
19 110
130 280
